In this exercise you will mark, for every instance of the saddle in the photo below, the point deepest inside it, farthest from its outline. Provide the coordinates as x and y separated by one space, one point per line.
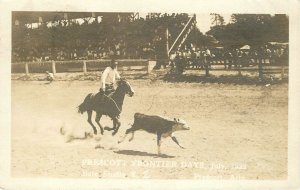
105 96
103 102
109 92
109 89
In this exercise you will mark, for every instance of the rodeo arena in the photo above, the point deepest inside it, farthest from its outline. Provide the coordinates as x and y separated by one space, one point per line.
149 96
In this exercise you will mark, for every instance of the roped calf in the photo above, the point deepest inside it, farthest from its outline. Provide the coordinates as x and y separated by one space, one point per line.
161 126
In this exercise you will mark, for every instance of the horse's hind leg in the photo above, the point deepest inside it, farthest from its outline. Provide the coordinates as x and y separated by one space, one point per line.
98 117
114 125
117 125
89 112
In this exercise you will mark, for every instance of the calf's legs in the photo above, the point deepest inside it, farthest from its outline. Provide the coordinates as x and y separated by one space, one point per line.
132 136
158 143
176 141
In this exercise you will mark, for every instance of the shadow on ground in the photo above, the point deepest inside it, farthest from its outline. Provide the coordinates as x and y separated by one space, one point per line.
140 153
224 79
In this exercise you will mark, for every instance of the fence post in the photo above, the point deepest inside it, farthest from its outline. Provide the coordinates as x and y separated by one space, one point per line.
206 71
260 69
26 69
206 67
150 66
282 72
239 70
84 67
53 67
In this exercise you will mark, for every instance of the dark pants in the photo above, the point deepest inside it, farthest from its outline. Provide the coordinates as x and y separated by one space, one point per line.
109 88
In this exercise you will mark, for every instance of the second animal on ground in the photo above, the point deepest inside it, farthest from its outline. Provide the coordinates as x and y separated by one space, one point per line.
161 126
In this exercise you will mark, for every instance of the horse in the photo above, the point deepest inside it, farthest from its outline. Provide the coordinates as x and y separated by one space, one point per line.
109 105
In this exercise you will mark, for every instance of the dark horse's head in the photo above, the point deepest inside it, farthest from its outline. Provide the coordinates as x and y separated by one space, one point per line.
125 86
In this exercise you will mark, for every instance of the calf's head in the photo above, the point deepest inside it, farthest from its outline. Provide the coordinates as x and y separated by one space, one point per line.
180 125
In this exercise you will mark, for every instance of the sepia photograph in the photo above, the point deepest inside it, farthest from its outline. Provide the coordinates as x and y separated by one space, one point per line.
150 95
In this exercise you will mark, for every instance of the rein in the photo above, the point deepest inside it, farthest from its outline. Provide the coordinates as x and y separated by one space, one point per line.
114 102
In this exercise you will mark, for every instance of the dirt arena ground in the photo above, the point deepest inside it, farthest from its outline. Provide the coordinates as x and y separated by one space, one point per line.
237 132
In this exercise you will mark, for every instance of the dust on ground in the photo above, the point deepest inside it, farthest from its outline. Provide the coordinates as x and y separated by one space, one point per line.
237 131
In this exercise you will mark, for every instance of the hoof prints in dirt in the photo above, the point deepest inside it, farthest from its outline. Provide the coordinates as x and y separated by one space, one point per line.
99 146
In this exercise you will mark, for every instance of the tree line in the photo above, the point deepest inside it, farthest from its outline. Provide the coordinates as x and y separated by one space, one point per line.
250 29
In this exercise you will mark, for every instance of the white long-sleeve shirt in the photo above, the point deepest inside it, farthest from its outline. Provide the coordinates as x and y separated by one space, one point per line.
109 76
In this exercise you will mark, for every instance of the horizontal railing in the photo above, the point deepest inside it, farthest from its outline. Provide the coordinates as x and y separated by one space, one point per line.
81 65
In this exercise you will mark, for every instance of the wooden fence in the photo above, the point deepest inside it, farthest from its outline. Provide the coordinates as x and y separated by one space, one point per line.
134 64
262 68
81 65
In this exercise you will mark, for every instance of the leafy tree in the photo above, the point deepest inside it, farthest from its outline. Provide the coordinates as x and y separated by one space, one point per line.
252 29
217 19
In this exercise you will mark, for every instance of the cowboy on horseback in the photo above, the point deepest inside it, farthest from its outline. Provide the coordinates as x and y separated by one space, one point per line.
108 78
108 101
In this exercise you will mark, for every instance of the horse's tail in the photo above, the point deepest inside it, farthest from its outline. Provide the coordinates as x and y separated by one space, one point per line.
84 106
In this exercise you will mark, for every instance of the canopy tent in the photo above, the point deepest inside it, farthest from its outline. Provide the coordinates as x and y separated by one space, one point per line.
245 47
284 44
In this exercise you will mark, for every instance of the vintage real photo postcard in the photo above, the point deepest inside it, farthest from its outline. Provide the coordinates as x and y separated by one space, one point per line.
149 95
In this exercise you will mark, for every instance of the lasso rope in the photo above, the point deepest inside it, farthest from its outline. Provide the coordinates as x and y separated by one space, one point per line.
114 102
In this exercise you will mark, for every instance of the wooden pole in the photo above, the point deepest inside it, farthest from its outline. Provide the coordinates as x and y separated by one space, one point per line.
167 39
260 69
148 67
53 68
239 70
206 67
282 72
84 67
26 69
181 33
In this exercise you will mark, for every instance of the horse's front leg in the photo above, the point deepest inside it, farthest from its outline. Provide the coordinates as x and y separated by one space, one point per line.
97 119
117 125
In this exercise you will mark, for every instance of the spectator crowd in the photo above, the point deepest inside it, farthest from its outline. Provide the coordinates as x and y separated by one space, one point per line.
191 57
71 40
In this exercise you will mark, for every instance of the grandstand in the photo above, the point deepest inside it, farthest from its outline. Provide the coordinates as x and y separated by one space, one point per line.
59 36
83 41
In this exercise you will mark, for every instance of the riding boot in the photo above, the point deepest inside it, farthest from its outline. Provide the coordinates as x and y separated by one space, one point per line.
102 95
